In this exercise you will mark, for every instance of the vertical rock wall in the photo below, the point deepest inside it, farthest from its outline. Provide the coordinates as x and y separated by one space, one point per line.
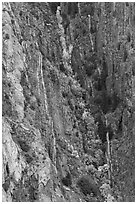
63 69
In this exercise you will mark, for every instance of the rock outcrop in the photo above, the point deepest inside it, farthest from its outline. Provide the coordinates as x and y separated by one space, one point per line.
64 65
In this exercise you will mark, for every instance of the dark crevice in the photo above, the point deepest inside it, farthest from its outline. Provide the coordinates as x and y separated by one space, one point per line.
67 181
7 169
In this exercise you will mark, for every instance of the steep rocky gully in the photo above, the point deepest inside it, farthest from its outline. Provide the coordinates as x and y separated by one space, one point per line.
68 102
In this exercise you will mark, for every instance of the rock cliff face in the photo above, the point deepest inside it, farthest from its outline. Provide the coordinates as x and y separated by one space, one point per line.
68 82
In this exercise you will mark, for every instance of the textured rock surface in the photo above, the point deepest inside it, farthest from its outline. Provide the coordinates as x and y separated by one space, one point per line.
66 72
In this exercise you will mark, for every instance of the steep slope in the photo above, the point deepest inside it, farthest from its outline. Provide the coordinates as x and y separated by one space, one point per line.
68 82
